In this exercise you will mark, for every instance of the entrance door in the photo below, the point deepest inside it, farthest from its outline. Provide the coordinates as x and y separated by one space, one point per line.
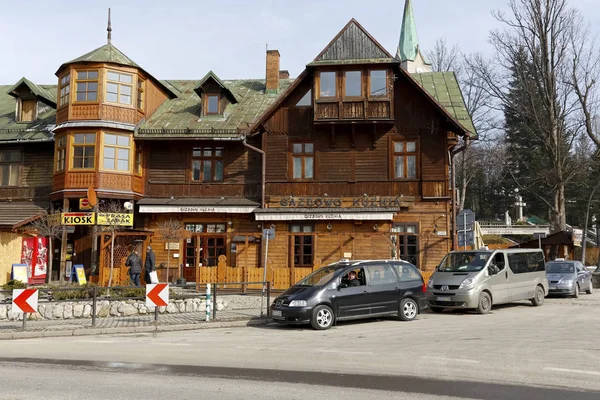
190 262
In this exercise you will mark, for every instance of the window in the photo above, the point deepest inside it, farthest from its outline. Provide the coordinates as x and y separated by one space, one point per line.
87 86
405 238
303 245
522 263
65 90
84 146
306 100
407 272
327 84
405 159
212 104
381 275
116 150
138 161
378 79
140 94
10 167
303 158
61 143
207 164
204 250
353 86
28 111
119 87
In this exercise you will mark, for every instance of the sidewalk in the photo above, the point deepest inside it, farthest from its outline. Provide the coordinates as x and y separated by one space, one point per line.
133 324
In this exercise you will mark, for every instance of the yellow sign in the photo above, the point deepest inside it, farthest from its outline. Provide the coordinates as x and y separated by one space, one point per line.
77 218
84 204
80 274
115 219
53 219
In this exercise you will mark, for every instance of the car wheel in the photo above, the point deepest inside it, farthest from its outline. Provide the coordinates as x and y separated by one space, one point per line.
485 303
576 291
408 310
436 309
322 318
591 289
538 298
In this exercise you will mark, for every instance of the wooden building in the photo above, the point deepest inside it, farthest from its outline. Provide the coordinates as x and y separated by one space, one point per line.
348 160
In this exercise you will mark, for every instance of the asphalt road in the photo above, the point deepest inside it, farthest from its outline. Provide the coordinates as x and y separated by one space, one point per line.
517 351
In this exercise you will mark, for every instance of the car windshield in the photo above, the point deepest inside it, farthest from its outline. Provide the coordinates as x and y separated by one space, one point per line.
318 278
464 261
560 268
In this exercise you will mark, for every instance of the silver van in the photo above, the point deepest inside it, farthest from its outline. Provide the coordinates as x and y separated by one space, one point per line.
481 278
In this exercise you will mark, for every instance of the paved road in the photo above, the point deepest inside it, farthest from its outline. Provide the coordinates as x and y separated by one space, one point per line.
554 349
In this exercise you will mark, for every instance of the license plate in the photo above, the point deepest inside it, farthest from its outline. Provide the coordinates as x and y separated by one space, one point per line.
552 288
445 298
276 313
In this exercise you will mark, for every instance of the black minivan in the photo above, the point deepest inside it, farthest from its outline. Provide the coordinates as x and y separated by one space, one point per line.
350 290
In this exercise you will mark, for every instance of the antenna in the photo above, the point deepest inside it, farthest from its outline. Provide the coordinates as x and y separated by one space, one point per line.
109 29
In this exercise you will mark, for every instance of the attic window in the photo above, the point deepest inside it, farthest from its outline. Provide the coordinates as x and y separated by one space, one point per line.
306 100
212 104
28 108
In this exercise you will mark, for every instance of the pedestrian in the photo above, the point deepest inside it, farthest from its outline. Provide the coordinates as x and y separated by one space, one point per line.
150 264
134 262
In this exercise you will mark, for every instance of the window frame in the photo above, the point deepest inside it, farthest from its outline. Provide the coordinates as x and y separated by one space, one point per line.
213 158
120 84
138 163
207 96
302 245
335 86
12 164
393 154
85 144
387 85
140 93
64 82
117 147
303 156
60 154
87 81
345 85
310 99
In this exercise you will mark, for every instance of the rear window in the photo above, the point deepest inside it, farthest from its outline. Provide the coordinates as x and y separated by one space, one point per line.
561 268
407 272
522 263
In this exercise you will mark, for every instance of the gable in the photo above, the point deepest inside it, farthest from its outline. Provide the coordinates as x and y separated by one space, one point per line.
353 43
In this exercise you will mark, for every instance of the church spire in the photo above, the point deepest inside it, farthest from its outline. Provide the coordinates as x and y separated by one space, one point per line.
109 29
408 47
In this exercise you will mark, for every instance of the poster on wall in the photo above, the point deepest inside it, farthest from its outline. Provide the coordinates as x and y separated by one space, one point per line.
27 251
34 254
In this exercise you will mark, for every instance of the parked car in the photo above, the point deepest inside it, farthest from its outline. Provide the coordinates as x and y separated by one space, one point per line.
568 277
483 278
349 290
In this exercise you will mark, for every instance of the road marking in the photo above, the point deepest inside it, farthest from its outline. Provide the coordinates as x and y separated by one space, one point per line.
578 371
463 360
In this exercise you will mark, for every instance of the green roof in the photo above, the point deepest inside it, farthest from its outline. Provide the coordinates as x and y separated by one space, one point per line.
409 41
180 117
38 91
444 87
11 130
105 54
213 76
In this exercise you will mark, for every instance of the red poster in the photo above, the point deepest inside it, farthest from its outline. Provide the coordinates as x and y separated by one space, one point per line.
34 254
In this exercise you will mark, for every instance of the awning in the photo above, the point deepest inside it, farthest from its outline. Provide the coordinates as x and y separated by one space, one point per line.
226 205
15 213
197 209
299 214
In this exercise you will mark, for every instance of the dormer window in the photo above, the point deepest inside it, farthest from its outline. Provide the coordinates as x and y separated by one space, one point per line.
65 90
119 87
212 104
87 86
28 111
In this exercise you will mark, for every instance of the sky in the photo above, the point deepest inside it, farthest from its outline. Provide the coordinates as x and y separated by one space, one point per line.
184 39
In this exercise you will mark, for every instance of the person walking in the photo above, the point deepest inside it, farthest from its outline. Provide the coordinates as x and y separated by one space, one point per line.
150 264
134 262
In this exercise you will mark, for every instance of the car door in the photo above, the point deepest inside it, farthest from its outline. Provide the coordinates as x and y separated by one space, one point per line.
352 301
583 277
384 288
498 283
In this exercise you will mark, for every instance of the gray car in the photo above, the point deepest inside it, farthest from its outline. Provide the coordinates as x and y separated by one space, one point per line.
568 278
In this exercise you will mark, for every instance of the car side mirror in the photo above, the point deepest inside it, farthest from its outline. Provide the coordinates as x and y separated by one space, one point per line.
342 285
493 269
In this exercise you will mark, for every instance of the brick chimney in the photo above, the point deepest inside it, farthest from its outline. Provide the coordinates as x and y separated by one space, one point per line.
272 85
284 74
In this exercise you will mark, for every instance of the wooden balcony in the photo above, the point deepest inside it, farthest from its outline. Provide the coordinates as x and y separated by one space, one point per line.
353 110
99 181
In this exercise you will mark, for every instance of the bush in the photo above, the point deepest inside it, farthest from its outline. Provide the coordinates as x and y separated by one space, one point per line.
14 284
82 292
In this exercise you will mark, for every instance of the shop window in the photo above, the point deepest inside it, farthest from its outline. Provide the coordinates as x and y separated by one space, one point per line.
405 238
304 242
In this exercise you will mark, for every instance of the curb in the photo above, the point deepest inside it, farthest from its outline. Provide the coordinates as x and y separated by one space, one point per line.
129 330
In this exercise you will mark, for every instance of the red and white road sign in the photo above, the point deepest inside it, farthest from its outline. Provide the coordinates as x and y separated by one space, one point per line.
25 300
157 294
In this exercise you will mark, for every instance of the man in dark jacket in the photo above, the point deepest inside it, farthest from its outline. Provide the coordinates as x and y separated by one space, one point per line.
134 262
150 263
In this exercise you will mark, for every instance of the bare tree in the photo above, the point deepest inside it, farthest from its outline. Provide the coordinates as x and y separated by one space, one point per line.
538 32
444 57
47 225
170 231
111 227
